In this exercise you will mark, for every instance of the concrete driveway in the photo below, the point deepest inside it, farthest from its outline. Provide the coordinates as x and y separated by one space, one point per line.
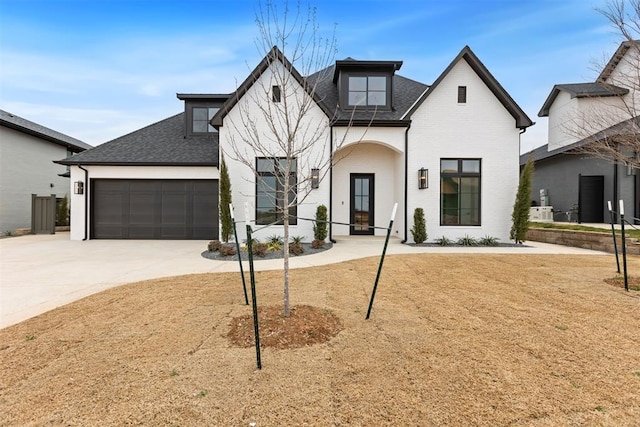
41 272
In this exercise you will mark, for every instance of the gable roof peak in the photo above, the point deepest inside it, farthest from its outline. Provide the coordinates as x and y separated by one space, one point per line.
616 58
522 120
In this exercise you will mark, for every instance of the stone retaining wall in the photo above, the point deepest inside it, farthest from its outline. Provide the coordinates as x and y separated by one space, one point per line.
582 239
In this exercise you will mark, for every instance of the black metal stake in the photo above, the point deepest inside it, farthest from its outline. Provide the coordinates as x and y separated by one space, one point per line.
624 250
253 296
384 251
615 244
244 285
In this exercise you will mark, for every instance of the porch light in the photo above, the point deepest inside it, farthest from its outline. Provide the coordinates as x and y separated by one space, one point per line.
315 178
423 178
78 187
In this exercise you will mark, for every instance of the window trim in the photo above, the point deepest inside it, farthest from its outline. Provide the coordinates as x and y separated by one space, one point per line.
461 174
293 211
344 90
190 118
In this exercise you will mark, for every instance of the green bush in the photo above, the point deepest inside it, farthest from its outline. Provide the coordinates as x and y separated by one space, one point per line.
225 199
62 211
489 241
520 215
320 224
443 241
419 230
467 241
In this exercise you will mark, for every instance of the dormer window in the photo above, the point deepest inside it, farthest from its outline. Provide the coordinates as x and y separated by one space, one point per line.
365 85
368 91
201 116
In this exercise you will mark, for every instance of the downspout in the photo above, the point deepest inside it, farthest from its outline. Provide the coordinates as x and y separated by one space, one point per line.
86 202
331 239
615 185
406 179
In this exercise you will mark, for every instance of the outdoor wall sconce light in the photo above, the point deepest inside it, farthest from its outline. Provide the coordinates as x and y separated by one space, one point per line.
315 178
78 187
423 178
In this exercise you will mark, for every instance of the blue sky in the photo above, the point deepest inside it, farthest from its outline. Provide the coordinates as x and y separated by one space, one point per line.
99 69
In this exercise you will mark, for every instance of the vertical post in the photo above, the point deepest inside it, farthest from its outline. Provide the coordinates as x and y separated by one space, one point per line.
384 251
253 286
613 232
624 246
235 235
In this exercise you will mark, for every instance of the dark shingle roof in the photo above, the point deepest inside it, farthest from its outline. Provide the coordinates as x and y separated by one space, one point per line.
160 144
405 93
581 90
23 125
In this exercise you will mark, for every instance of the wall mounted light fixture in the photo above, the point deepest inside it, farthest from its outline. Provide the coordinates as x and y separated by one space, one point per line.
78 187
315 178
423 178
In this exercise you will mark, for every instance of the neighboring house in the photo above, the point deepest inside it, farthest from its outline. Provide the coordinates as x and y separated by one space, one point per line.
577 184
27 154
386 135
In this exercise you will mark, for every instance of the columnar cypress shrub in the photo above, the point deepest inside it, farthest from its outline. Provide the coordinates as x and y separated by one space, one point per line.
419 230
320 224
225 200
520 216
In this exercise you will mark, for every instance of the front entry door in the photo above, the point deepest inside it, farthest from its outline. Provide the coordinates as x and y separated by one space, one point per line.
361 217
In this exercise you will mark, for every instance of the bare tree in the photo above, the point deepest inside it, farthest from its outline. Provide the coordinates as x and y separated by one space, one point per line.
608 125
281 131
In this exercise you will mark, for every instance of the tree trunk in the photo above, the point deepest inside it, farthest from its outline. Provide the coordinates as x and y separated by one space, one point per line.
285 215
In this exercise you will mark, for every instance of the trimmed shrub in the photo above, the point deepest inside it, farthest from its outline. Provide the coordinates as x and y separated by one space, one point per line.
214 245
296 249
419 230
520 215
259 249
227 250
225 199
320 224
62 211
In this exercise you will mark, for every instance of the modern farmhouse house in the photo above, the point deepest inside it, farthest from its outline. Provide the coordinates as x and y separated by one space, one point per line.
379 138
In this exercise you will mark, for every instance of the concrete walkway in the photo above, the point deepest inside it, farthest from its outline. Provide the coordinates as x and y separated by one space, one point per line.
41 272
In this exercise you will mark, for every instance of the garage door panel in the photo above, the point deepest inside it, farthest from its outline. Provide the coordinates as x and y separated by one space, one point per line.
154 209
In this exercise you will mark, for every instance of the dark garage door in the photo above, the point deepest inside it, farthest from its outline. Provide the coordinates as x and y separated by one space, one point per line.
154 209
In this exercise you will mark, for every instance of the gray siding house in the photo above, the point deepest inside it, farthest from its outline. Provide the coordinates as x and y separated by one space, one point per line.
27 154
604 113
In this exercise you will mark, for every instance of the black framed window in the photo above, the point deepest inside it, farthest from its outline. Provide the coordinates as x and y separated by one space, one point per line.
460 191
368 91
270 198
200 118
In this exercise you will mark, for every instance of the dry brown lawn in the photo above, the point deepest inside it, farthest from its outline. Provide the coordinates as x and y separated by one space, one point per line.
453 340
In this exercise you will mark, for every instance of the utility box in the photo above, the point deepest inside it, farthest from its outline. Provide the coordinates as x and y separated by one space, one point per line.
544 197
541 213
